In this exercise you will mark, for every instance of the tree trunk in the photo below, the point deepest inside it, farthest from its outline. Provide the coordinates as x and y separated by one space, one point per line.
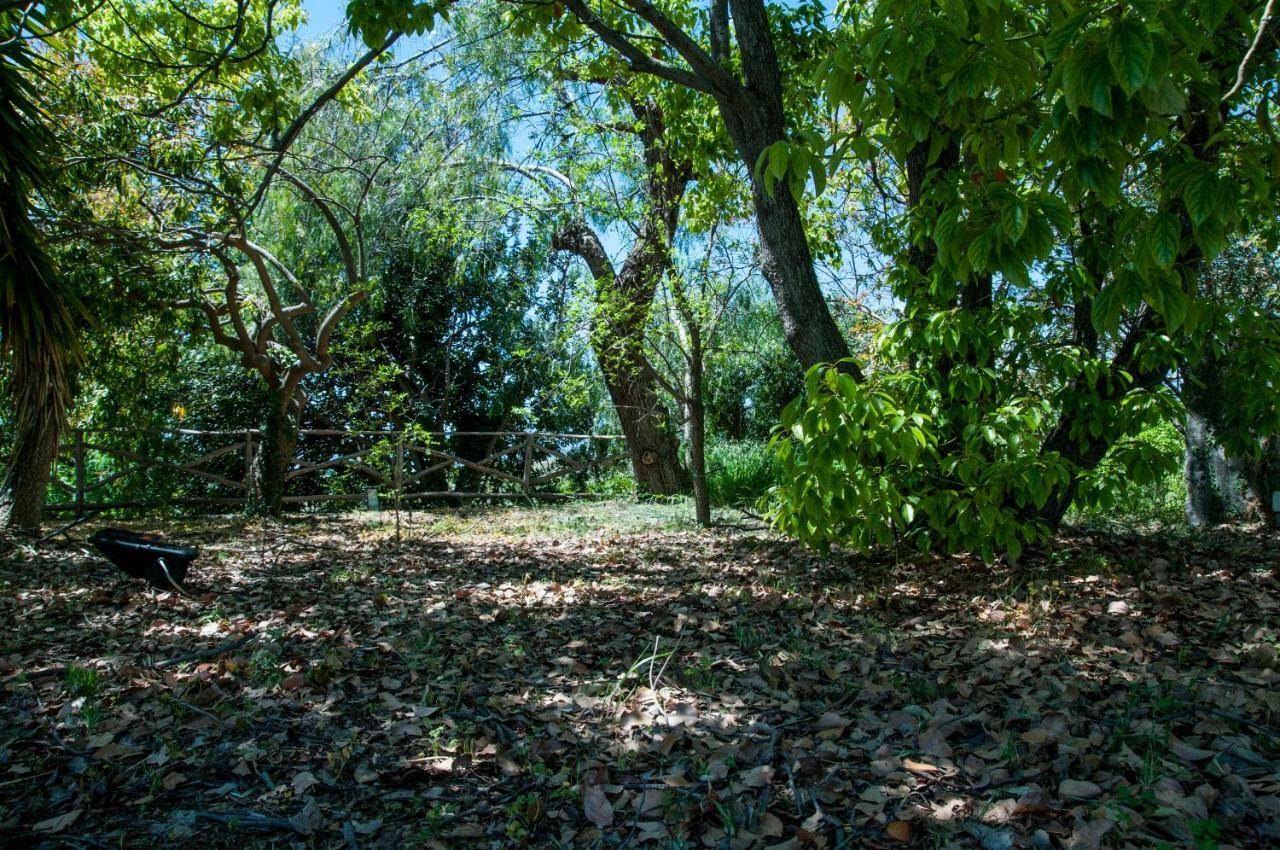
1263 473
1212 487
27 477
275 455
696 429
755 118
654 451
785 258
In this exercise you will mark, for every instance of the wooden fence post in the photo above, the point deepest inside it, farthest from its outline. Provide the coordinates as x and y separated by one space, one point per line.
248 465
528 461
80 473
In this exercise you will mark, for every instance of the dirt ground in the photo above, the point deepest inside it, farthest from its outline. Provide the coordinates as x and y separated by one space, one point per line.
606 676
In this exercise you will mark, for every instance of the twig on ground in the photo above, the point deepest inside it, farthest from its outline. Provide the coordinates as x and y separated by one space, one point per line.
762 801
220 649
248 820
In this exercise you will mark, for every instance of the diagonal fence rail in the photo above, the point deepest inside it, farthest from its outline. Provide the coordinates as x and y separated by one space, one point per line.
106 469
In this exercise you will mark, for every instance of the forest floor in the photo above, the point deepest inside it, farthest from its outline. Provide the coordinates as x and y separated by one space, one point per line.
605 676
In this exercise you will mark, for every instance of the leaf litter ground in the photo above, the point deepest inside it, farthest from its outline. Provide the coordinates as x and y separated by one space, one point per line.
602 677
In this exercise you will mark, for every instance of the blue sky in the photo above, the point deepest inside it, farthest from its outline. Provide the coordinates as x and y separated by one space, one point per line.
323 17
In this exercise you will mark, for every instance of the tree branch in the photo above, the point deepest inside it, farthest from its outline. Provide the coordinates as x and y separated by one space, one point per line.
281 147
702 64
635 57
578 238
1242 73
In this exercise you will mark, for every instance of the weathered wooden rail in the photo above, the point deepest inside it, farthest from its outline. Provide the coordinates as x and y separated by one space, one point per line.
215 468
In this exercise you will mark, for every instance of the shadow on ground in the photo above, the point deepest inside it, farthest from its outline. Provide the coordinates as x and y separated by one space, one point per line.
501 680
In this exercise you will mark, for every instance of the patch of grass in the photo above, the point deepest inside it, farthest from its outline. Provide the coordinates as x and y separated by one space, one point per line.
83 682
698 674
749 638
264 666
740 473
349 575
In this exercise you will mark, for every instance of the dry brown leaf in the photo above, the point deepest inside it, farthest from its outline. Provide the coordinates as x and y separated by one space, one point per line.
899 830
58 823
1078 789
597 807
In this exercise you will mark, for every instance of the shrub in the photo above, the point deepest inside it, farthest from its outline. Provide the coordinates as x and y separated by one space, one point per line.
740 473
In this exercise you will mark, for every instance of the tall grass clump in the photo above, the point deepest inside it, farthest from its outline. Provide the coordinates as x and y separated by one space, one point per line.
740 472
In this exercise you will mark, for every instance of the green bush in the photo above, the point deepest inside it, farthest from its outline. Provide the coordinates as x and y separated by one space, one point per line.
739 473
1109 495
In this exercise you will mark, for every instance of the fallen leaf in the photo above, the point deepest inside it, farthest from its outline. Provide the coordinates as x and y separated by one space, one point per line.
303 781
899 830
59 823
1078 789
597 807
1088 835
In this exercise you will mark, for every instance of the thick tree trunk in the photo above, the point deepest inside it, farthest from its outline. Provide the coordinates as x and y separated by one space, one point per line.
623 300
654 451
755 118
1212 486
275 455
1263 473
785 258
617 339
27 477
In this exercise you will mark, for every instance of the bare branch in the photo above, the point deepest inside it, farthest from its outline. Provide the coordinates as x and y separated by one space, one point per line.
326 210
684 44
1268 17
281 147
330 321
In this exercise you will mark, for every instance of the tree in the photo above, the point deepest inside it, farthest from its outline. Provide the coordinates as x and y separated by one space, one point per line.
740 70
1232 431
38 317
624 299
190 165
1059 182
270 342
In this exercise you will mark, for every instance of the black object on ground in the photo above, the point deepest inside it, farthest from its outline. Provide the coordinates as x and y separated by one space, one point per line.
142 556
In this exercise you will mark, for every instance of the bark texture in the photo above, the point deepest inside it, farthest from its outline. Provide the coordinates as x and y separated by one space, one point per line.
1213 488
754 117
624 298
751 106
27 476
275 454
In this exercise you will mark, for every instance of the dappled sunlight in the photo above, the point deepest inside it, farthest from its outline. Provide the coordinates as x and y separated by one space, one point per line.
655 686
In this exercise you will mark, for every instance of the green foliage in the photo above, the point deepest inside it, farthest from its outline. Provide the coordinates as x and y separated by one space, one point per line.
375 20
1065 176
1112 493
740 472
38 311
868 465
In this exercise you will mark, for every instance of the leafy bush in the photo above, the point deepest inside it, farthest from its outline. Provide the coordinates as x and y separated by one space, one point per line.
1110 495
740 473
614 484
942 465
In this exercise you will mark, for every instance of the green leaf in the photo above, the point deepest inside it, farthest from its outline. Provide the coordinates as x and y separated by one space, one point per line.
1013 218
1164 239
1096 80
1199 196
1129 50
1062 37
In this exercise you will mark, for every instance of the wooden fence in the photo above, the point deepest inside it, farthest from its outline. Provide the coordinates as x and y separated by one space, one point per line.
104 469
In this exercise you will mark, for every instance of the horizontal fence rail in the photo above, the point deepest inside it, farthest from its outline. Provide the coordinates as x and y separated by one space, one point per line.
106 469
